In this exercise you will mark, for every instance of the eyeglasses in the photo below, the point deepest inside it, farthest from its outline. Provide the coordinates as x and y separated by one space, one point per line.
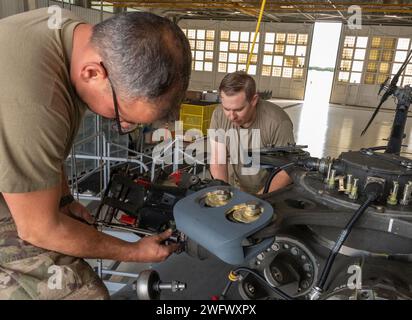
117 125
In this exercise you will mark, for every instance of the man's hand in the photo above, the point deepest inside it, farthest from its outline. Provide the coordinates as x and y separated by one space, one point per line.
153 249
77 210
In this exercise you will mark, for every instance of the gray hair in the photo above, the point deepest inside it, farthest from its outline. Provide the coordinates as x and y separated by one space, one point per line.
145 55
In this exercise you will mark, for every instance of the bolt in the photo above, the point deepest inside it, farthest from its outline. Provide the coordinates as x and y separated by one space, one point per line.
250 288
331 182
307 267
354 191
261 256
294 251
275 247
286 246
407 191
303 257
392 199
348 184
380 209
305 284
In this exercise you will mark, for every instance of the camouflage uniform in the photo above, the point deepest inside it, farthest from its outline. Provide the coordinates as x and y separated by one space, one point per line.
29 272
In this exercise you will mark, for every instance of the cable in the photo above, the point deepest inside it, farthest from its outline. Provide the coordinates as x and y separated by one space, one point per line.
373 190
259 277
273 174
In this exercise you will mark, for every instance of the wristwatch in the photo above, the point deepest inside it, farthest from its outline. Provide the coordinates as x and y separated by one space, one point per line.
64 201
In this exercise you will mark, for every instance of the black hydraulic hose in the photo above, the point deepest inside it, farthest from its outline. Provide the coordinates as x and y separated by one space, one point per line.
261 279
343 236
273 174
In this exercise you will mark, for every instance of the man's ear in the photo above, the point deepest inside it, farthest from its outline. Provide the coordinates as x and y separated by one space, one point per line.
93 71
255 100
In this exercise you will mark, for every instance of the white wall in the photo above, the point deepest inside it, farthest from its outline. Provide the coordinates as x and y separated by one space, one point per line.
10 7
287 88
364 94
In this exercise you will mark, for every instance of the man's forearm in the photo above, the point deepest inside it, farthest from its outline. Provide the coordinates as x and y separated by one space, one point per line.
74 238
219 171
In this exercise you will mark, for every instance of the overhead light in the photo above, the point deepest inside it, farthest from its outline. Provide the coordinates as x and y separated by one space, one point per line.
390 16
286 7
236 12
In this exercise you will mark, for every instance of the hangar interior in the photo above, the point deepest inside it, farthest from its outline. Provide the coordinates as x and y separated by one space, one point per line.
328 71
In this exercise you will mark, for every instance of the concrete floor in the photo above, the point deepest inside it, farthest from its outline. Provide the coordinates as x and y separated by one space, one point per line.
328 130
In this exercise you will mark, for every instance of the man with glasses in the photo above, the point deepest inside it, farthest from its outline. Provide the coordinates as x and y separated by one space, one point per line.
133 68
242 108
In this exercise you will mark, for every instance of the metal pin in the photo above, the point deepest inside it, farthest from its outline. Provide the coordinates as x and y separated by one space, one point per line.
392 199
407 191
331 182
341 183
354 191
348 184
329 170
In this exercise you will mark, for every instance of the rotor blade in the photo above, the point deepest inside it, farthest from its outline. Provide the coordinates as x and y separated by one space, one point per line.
384 98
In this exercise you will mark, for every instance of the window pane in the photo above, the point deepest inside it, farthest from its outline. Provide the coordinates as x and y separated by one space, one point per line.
407 81
200 45
345 65
400 56
396 67
224 46
191 34
277 60
233 46
349 42
374 54
403 44
199 66
343 76
303 39
224 35
298 73
268 48
279 49
244 36
376 42
288 62
300 51
280 38
244 47
222 67
252 69
372 67
234 35
355 77
267 60
357 66
389 43
231 67
277 71
362 42
199 55
242 58
210 34
209 55
266 70
270 37
347 53
233 57
387 55
201 34
209 45
384 67
223 56
300 62
287 73
370 78
208 66
359 54
291 38
290 50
